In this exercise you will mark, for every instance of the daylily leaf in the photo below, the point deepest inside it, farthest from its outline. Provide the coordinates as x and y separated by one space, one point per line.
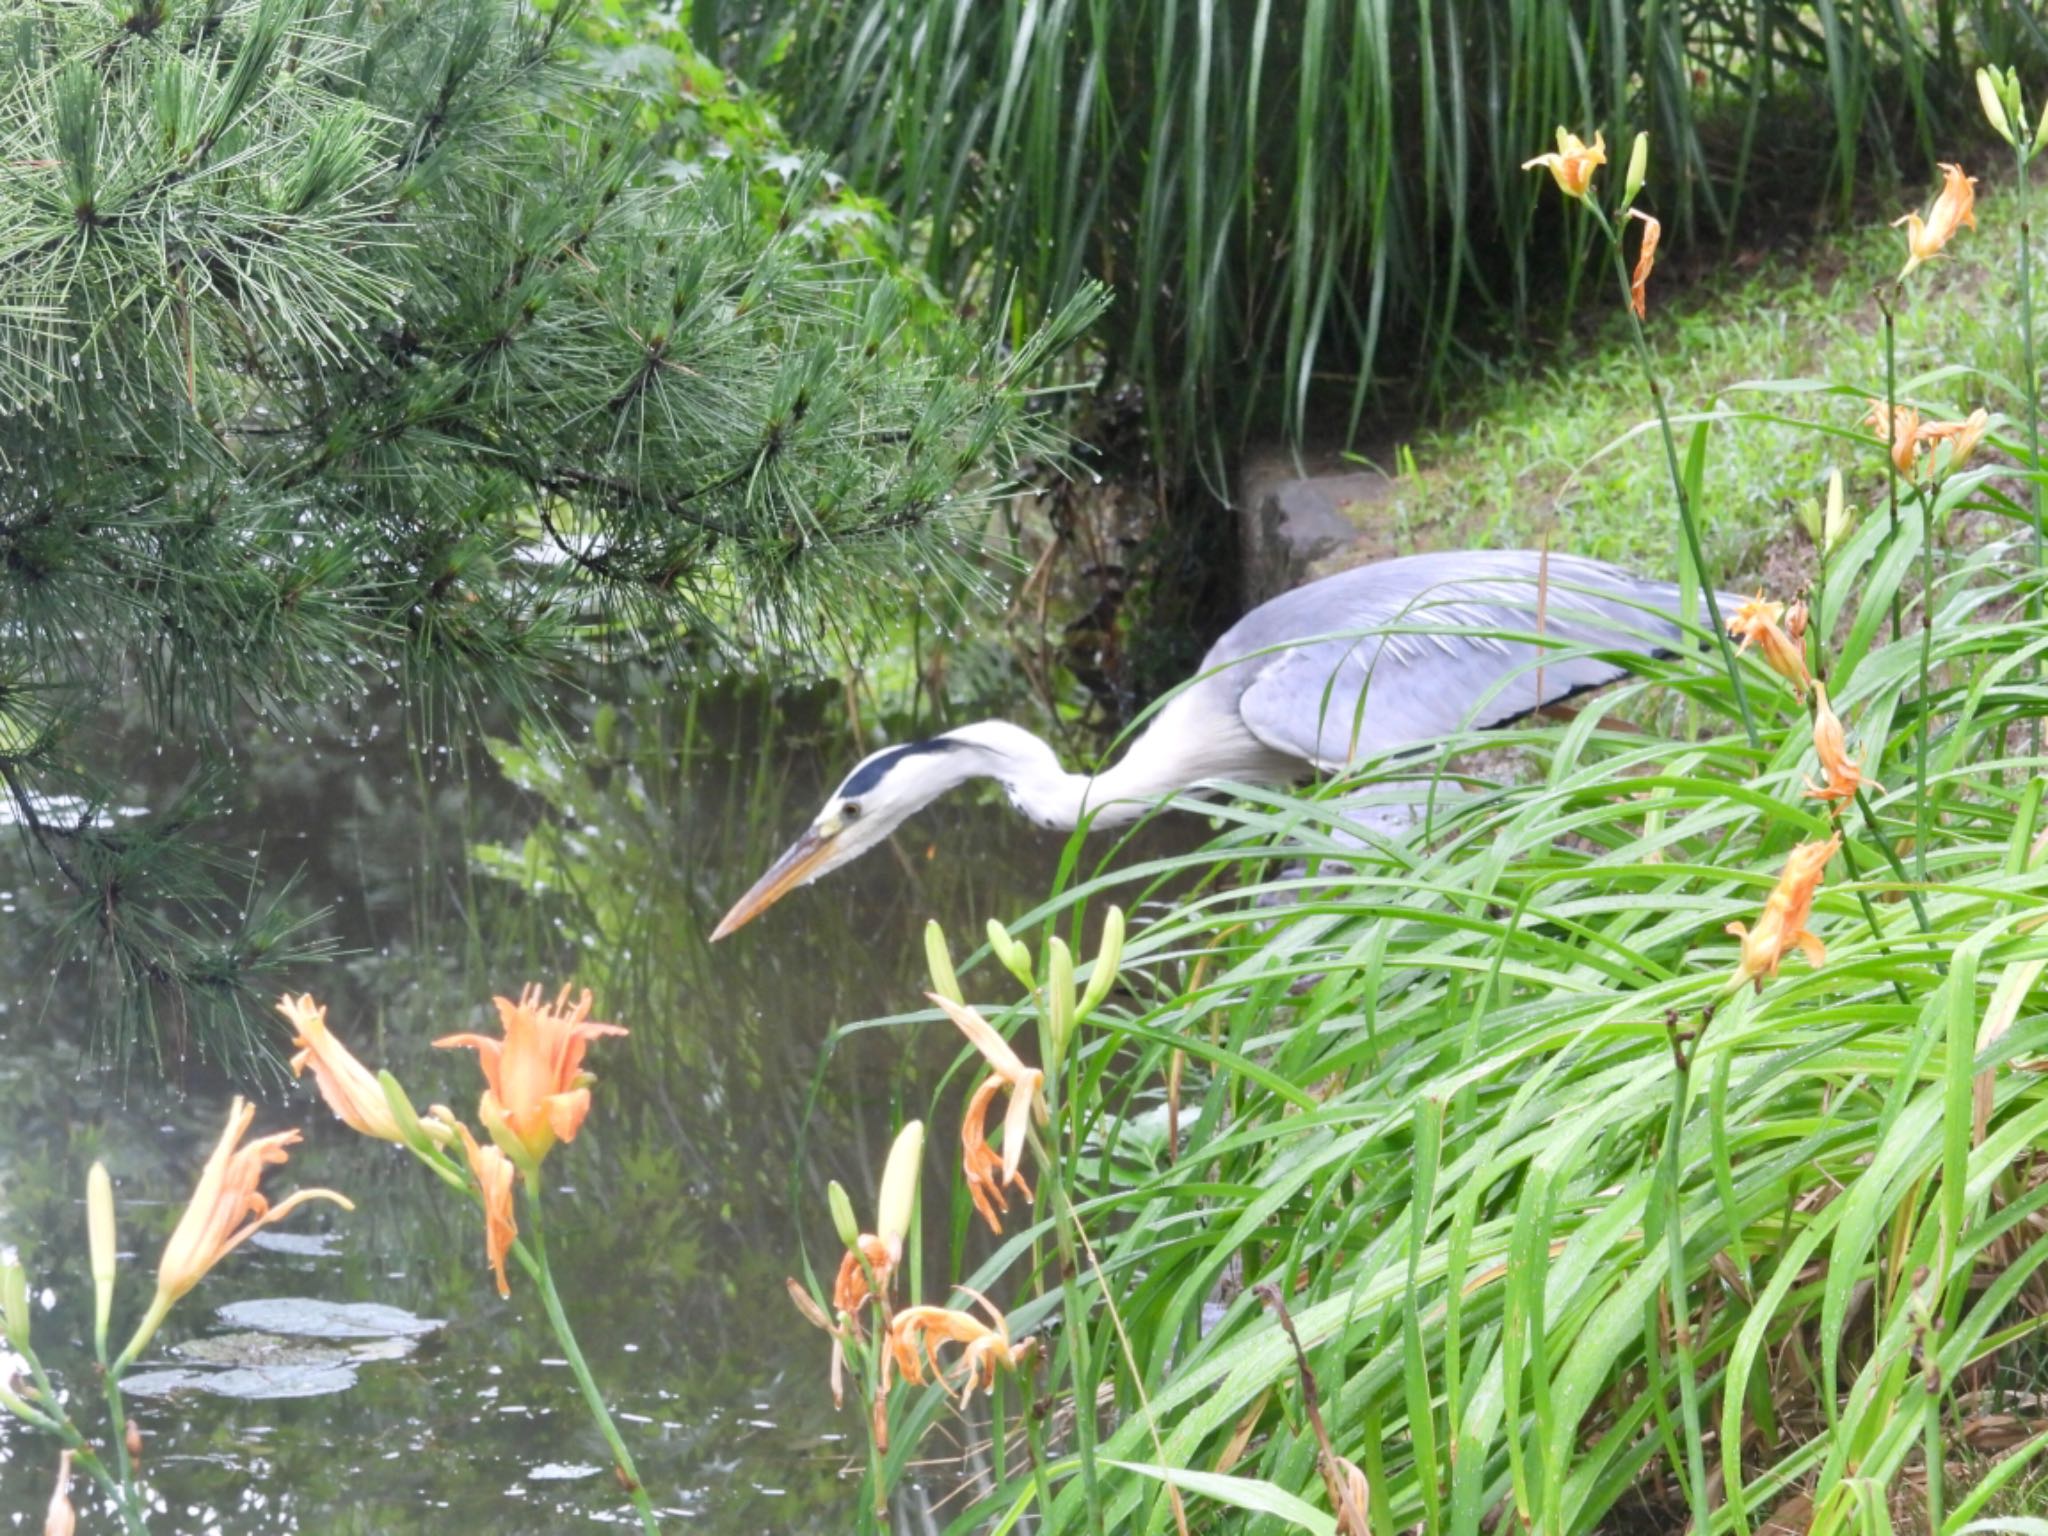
1247 1493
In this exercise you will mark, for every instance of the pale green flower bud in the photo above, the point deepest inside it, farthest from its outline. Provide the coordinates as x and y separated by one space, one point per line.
844 1221
99 1227
1810 519
423 1137
14 1302
939 961
1059 1002
1015 956
897 1206
1988 94
1107 959
1638 169
1840 519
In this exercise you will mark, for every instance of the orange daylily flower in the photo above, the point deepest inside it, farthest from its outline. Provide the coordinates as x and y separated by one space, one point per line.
986 1178
1572 165
350 1088
917 1333
539 1092
494 1176
226 1210
1901 429
1783 924
1646 258
1758 622
1961 436
1844 777
1954 208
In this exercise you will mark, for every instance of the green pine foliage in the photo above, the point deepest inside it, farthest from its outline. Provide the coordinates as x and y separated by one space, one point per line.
365 346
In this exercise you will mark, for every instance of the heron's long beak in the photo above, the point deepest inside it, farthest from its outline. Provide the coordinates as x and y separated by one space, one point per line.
797 864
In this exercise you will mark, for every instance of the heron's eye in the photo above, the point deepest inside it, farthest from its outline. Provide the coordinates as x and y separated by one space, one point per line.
850 811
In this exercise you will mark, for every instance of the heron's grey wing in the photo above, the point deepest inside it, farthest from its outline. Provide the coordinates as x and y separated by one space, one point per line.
1396 662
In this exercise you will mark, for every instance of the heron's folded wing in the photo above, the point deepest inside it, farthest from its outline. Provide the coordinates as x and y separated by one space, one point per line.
1433 668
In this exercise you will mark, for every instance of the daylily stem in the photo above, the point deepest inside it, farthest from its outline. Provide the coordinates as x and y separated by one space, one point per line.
1933 1448
117 1414
159 1309
53 1420
536 1265
1034 1446
1695 1470
1079 1351
1891 857
1685 509
1869 910
1922 795
1890 433
2022 152
117 1419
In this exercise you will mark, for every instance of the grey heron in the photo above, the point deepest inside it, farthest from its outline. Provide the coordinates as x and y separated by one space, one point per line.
1358 664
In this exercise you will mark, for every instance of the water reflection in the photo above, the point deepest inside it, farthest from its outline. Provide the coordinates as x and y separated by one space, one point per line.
609 861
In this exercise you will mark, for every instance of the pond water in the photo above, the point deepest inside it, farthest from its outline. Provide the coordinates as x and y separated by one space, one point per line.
358 1372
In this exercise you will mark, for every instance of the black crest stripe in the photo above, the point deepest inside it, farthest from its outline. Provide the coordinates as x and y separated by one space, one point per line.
871 772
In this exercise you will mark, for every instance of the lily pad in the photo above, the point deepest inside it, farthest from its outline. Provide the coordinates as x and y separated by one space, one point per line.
309 1317
248 1383
287 1346
259 1351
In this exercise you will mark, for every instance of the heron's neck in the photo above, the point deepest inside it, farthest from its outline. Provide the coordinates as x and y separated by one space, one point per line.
1031 776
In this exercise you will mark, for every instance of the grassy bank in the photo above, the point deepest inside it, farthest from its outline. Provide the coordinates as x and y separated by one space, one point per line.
1549 449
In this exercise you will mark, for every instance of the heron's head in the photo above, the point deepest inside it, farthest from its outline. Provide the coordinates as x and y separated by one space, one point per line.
867 806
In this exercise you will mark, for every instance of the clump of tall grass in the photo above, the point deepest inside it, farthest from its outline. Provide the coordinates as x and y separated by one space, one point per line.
1653 1134
1282 195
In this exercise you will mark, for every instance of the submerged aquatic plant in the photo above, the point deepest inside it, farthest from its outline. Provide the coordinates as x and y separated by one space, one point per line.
226 1209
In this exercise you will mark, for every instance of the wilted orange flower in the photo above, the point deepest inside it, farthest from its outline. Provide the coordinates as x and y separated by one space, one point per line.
350 1088
985 1176
539 1092
917 1333
226 1210
1783 924
849 1291
1844 778
1572 165
850 1288
61 1519
494 1175
1961 436
1758 622
1646 258
1026 1085
1955 207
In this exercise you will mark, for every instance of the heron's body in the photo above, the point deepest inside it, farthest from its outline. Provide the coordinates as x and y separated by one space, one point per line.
1355 665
